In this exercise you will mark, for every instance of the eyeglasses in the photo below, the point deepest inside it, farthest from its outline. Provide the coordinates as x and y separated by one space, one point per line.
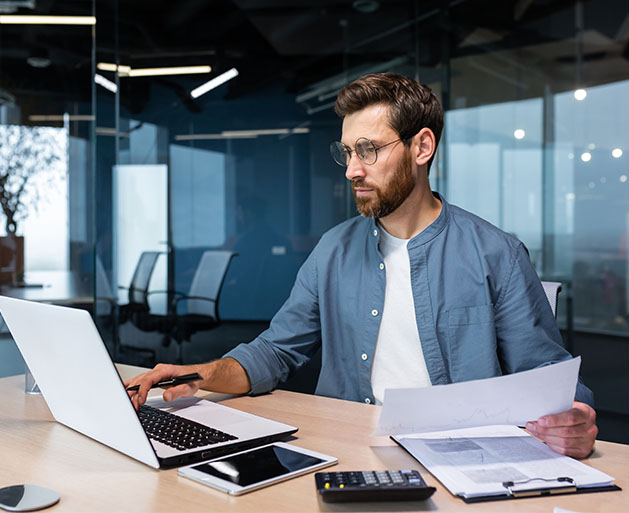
365 150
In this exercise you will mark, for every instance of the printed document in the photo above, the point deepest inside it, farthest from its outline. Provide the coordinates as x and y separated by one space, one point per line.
513 399
476 462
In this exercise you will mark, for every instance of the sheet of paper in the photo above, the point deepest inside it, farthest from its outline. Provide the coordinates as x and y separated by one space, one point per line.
476 462
512 399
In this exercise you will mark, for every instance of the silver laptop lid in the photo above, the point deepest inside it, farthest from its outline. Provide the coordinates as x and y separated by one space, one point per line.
76 376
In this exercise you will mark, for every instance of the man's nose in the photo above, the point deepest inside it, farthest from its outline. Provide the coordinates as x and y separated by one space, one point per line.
355 168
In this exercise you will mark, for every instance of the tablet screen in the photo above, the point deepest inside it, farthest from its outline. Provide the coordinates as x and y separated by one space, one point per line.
251 467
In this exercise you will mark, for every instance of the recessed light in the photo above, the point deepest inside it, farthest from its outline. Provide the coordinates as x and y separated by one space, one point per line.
580 94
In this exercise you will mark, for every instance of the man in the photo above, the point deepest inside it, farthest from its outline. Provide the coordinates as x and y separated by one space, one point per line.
414 292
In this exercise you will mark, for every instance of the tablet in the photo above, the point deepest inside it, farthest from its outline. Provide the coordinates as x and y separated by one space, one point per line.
246 471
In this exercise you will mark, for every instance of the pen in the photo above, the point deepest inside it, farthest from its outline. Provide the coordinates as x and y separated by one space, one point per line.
179 380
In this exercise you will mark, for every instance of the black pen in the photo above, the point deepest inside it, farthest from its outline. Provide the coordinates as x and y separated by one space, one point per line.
179 380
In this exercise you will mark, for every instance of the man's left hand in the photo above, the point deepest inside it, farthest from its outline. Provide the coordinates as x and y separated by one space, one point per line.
572 432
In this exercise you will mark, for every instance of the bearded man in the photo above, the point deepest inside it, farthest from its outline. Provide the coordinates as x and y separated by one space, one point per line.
413 292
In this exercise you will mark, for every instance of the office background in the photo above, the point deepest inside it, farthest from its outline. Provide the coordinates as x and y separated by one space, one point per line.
117 164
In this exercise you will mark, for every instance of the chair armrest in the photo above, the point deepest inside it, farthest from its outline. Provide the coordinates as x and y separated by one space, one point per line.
196 298
174 292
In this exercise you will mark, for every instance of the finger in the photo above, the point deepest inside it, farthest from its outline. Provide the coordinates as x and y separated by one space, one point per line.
579 451
185 390
577 431
571 417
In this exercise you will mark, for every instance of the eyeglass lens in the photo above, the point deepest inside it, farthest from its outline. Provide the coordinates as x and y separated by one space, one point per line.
365 151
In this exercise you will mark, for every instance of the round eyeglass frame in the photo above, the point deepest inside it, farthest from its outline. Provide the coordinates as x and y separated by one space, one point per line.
363 147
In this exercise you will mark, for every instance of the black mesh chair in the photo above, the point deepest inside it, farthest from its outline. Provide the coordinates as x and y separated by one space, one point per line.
137 309
106 304
198 310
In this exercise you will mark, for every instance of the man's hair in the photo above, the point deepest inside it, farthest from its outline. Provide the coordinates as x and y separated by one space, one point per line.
411 105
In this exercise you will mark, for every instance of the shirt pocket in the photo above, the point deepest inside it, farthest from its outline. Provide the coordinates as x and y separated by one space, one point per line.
472 346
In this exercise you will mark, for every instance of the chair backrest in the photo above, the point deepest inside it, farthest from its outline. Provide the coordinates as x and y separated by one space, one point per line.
552 289
105 297
207 282
138 289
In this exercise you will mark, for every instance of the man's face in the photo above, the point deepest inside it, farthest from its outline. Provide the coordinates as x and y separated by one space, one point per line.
379 188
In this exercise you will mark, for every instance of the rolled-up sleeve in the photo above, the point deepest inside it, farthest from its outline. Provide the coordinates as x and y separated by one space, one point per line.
291 339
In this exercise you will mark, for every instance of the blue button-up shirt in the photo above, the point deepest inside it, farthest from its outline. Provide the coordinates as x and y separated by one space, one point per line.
480 308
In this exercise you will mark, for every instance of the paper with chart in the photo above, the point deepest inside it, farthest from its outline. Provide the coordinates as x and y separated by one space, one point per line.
476 462
513 399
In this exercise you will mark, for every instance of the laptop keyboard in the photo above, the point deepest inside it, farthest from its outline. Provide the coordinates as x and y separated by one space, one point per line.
178 432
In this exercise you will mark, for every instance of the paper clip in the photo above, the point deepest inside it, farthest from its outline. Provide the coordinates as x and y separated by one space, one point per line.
546 490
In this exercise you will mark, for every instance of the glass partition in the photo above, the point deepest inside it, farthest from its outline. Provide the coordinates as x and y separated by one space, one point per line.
46 156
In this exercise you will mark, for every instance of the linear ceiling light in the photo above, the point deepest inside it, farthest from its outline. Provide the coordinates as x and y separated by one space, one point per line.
108 66
14 19
243 134
180 70
215 82
60 117
106 83
128 71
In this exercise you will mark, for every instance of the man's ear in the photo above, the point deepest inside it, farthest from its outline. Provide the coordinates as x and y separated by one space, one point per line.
424 145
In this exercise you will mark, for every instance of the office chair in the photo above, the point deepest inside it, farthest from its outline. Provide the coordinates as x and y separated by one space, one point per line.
198 310
106 304
137 309
552 290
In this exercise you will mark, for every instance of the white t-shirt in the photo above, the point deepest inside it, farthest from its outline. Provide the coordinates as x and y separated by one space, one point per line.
398 361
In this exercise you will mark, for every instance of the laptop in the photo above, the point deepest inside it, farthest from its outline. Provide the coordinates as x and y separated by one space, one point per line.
83 390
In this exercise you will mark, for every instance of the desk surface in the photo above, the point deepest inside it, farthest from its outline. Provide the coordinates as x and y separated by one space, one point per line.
92 477
58 287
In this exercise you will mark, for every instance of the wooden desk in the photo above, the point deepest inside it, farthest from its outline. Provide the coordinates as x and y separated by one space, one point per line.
91 477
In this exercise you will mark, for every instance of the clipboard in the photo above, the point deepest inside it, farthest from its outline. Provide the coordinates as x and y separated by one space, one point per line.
526 488
563 485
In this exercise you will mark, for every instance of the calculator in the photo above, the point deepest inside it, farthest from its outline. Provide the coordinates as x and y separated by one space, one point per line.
372 485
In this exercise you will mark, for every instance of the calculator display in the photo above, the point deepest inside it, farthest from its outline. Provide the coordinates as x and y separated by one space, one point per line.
251 467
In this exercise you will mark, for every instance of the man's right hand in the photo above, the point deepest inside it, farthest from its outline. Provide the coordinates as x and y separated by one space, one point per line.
159 373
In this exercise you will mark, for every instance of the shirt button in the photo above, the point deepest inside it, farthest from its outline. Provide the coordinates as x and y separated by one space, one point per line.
381 266
375 233
367 400
374 312
364 356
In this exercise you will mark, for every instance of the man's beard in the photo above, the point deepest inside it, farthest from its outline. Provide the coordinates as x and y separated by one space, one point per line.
391 196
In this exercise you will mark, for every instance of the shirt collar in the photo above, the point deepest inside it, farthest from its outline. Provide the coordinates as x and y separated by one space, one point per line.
429 233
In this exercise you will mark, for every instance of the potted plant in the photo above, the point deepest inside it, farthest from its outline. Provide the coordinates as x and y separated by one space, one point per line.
31 159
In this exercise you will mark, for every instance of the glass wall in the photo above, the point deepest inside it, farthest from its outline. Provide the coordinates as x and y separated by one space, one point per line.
46 149
148 164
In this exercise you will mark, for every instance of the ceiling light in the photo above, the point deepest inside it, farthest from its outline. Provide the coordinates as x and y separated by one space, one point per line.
60 117
13 19
110 132
107 66
623 178
519 133
616 153
243 134
215 82
179 70
586 156
580 94
38 61
106 83
209 137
